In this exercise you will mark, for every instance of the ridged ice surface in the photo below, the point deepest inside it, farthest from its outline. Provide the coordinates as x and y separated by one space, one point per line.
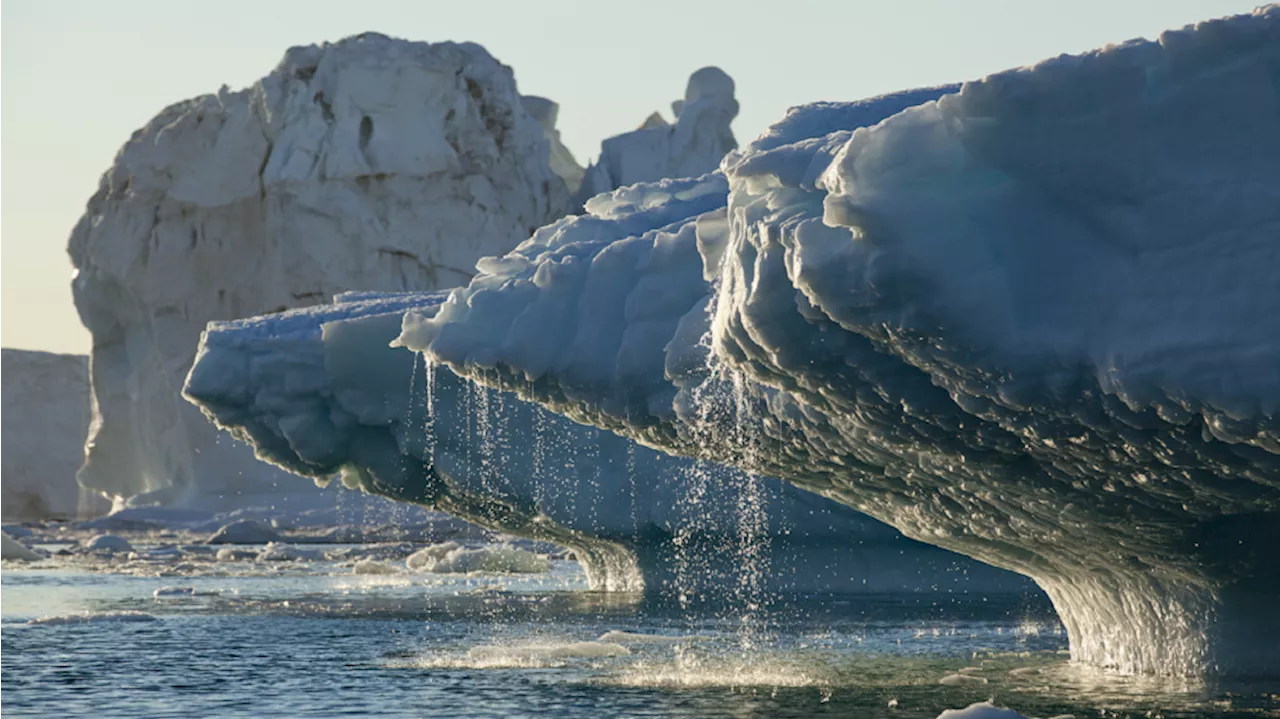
318 391
1036 321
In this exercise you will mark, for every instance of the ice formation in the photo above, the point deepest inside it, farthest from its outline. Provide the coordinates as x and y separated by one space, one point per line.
11 548
1036 321
546 112
318 391
46 418
693 146
369 163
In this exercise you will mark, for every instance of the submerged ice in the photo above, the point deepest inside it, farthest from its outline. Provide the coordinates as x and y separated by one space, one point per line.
1035 321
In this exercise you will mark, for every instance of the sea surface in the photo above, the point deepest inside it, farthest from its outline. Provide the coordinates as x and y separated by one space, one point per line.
172 635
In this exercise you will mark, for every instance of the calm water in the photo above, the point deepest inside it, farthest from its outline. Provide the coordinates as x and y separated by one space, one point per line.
310 638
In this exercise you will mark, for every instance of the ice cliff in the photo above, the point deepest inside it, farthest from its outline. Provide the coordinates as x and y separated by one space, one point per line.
369 163
319 392
46 418
1036 321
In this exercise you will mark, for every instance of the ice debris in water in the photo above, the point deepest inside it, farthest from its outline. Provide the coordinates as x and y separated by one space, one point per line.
620 637
372 566
108 543
452 558
93 618
981 710
244 531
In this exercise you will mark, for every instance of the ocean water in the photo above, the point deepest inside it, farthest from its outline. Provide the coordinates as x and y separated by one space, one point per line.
175 636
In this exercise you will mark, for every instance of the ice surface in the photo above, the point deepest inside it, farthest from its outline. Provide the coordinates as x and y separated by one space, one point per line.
318 391
370 163
46 419
1036 321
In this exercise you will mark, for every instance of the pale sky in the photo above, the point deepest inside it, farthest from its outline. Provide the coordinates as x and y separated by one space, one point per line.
79 76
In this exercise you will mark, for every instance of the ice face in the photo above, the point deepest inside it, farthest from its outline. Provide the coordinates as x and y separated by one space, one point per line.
319 392
1036 321
46 418
371 163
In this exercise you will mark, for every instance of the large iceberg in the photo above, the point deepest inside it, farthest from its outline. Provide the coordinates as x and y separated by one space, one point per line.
46 418
1036 321
369 163
319 392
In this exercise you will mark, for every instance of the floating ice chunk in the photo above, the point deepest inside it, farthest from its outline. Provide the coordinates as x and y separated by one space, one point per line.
959 679
234 554
491 559
245 531
534 652
371 566
279 552
108 543
13 549
981 710
184 592
619 637
93 618
427 556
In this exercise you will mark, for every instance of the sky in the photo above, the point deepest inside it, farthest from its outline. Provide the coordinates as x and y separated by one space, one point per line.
79 76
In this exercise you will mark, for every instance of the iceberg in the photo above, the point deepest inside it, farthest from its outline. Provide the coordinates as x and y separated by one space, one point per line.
1035 321
369 163
46 418
692 146
319 392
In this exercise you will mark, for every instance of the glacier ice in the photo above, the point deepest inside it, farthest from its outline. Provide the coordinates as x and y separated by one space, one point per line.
319 392
693 146
369 163
46 418
1035 321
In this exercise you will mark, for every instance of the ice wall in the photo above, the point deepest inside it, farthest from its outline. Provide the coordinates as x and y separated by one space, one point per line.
1036 321
693 146
46 418
369 163
319 392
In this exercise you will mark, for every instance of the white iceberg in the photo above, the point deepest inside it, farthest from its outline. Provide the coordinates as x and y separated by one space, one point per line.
1036 321
369 163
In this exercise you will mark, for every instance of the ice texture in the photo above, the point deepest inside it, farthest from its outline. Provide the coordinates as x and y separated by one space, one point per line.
1035 321
369 163
46 419
692 146
318 391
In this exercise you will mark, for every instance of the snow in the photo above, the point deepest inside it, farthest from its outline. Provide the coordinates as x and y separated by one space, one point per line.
46 419
1034 321
693 146
981 710
11 548
317 391
370 566
370 163
244 531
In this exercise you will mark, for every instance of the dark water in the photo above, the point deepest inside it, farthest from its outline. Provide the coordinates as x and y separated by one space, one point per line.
313 640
